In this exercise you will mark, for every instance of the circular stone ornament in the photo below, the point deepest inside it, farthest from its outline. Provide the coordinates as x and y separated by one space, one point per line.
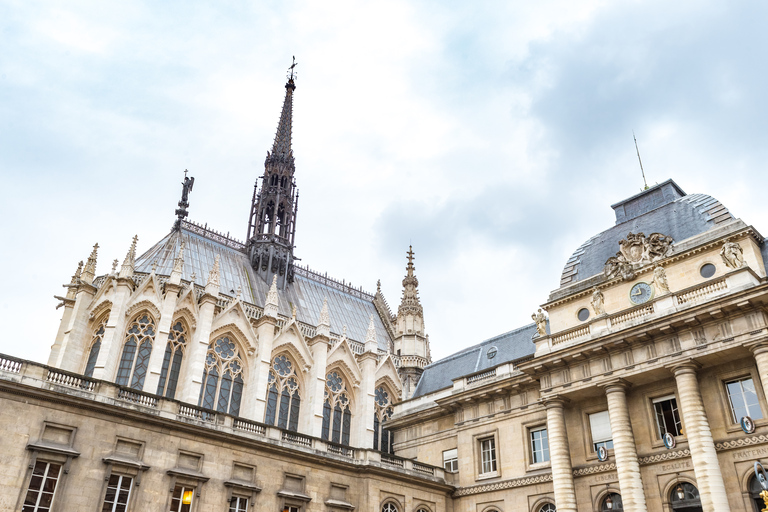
669 440
747 425
640 293
602 454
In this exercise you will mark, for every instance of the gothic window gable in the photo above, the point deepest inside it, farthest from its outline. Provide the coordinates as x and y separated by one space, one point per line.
386 372
172 359
283 394
291 341
384 399
233 321
337 408
95 345
341 356
223 376
137 348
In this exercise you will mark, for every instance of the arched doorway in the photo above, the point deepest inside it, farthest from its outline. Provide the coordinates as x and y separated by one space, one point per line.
684 497
754 494
612 503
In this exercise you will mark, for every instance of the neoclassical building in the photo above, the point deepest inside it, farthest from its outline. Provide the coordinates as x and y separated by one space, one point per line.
211 374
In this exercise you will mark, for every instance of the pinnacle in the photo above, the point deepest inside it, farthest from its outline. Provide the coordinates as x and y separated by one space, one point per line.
130 259
282 145
89 271
213 275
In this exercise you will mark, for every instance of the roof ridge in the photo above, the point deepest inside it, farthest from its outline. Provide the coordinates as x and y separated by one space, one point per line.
479 345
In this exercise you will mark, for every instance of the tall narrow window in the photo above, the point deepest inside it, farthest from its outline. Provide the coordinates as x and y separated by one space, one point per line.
488 455
118 494
136 352
743 399
222 387
174 351
667 416
539 445
283 397
42 486
93 354
383 439
336 415
600 426
451 460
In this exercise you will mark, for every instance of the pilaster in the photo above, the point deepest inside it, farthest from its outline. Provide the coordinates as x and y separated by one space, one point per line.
161 338
362 425
265 328
194 358
109 355
706 466
316 386
560 456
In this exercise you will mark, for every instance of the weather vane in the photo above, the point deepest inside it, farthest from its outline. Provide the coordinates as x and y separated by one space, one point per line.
292 66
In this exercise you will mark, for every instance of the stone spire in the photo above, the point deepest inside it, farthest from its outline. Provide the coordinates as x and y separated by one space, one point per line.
272 221
272 303
324 322
72 286
410 304
129 262
212 286
178 266
371 344
89 271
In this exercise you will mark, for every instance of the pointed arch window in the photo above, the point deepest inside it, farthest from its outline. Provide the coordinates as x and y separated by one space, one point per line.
222 388
174 352
93 354
283 396
337 418
136 351
383 439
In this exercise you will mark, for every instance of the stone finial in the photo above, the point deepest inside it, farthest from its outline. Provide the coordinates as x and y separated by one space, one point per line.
192 278
213 275
178 266
371 344
293 312
378 287
239 293
343 333
324 322
272 303
72 286
89 271
77 274
129 263
114 267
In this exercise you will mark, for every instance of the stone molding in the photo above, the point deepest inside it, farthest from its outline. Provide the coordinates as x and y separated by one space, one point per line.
597 468
738 443
659 457
506 484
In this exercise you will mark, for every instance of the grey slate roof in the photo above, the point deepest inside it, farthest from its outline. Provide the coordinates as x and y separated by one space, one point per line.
510 346
345 308
648 212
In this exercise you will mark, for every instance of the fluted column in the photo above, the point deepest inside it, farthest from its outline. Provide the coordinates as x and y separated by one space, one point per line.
706 467
624 450
761 358
560 456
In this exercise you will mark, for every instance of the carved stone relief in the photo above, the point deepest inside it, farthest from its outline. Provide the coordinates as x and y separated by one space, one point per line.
636 251
732 254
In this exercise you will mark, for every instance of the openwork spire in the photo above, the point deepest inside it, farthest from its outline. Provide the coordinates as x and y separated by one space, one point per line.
129 262
410 302
89 272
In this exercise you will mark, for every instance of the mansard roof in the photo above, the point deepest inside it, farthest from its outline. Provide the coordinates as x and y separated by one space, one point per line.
510 346
347 306
663 208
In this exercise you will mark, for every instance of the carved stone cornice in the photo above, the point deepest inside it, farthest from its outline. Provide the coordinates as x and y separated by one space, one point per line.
738 443
505 484
597 468
659 457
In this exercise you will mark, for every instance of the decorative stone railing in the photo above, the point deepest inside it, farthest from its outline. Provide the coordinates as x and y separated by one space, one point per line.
70 380
392 460
10 365
632 314
571 335
250 426
423 468
197 413
412 361
137 397
296 438
340 449
478 377
701 292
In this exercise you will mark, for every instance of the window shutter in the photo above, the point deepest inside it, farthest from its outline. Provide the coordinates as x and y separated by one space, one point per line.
600 424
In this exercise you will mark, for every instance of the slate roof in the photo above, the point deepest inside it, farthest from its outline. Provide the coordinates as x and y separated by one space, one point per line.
664 209
510 346
352 308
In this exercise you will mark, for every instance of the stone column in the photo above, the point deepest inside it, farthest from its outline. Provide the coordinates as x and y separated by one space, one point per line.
627 465
760 352
706 467
560 456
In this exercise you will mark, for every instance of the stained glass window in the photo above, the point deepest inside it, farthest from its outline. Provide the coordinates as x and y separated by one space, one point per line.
222 387
283 396
337 418
136 351
383 439
93 354
174 351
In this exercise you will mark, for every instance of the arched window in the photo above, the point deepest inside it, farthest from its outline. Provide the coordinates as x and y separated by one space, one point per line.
174 351
93 355
336 415
283 397
547 507
136 352
684 497
382 438
612 502
222 387
389 507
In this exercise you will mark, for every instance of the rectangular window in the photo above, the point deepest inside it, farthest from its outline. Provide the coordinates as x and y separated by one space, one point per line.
181 501
488 455
237 504
42 486
743 399
667 416
600 426
539 446
118 492
451 460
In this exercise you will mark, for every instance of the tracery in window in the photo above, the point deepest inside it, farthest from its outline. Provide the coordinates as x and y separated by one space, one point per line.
389 507
136 351
336 415
383 439
222 388
283 395
93 355
174 352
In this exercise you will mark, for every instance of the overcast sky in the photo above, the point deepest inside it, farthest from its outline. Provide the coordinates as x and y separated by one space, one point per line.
493 136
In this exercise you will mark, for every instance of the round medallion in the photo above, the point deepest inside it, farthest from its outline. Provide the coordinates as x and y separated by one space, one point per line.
747 425
669 440
602 454
640 293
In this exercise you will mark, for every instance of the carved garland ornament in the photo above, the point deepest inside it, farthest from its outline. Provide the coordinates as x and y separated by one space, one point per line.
636 251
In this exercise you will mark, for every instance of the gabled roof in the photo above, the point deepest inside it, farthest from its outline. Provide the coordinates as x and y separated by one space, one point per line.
510 346
347 306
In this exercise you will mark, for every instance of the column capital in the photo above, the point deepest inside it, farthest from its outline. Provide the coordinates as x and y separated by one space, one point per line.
683 367
554 402
614 385
757 347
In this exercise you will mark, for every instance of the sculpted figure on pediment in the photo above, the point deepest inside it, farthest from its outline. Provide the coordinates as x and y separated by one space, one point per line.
541 322
636 251
732 254
598 302
660 279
